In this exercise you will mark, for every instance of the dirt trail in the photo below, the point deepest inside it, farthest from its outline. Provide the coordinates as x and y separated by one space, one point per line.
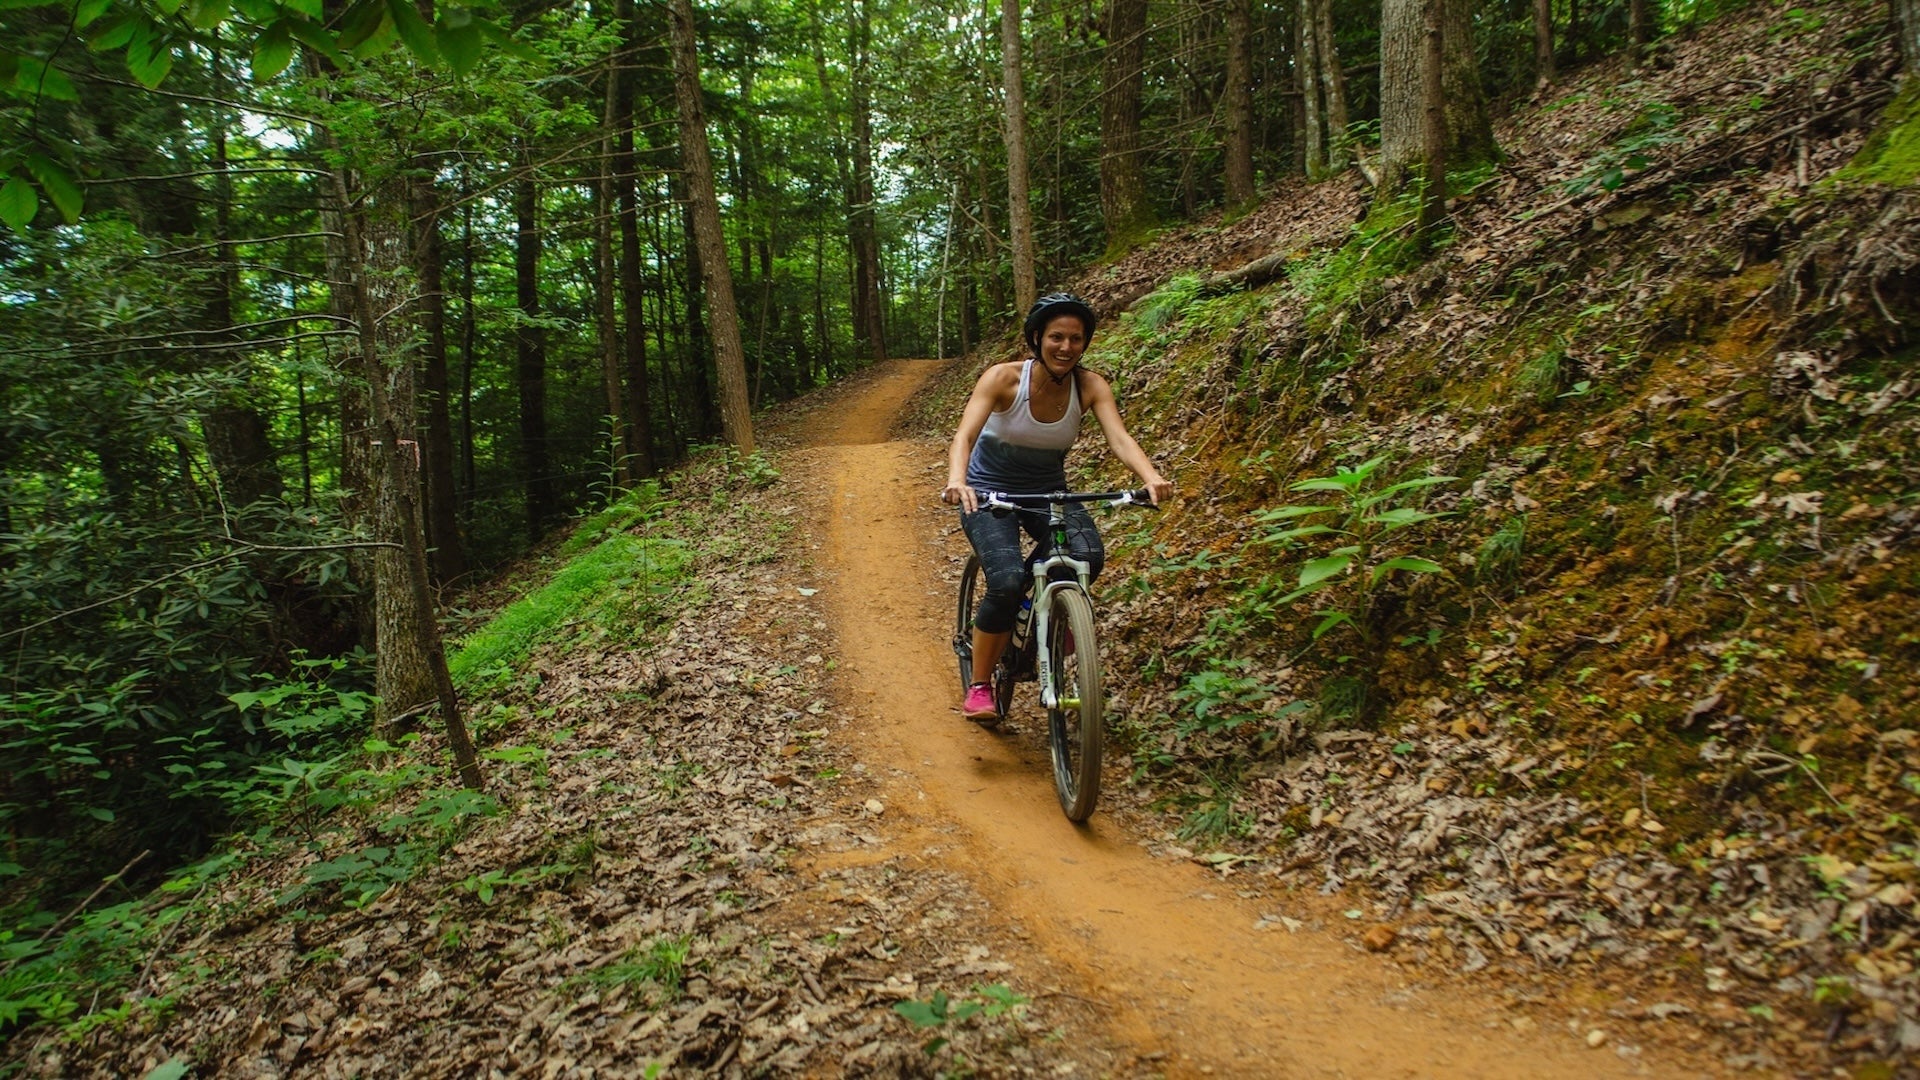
1167 949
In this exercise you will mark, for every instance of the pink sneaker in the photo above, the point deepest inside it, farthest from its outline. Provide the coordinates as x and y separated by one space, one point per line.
978 704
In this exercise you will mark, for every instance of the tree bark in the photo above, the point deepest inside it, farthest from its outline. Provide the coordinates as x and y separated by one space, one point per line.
1433 204
1906 23
1469 122
1238 108
606 283
704 208
530 349
1402 33
1333 83
442 503
1543 69
638 398
1639 31
1123 184
866 234
1307 35
410 669
1019 204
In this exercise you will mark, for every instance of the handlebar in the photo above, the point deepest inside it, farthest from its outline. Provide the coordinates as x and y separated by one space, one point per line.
1003 501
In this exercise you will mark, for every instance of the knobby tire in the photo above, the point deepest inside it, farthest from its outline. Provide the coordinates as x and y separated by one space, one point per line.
1074 722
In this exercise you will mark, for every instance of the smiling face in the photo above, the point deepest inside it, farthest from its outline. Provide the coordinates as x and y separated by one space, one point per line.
1061 343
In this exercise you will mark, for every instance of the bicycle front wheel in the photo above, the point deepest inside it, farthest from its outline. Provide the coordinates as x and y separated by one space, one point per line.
973 585
1074 720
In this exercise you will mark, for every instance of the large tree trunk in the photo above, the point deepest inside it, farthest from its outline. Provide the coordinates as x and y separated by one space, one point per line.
410 668
1402 37
1238 107
704 208
638 398
1019 206
1123 183
1543 70
1469 124
530 348
1308 38
442 502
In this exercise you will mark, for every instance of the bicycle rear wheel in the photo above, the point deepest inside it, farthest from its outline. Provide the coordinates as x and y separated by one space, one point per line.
1074 720
973 585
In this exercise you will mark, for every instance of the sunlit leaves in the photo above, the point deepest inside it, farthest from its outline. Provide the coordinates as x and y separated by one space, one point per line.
273 51
18 203
59 184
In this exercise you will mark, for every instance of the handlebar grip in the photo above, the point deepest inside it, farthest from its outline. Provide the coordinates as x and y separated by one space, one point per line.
1143 497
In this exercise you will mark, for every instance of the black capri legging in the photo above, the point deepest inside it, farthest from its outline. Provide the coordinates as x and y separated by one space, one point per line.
996 539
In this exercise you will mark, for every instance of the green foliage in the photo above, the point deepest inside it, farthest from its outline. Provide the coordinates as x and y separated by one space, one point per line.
661 965
1500 555
52 976
1635 150
940 1011
619 586
1222 697
1357 523
1542 377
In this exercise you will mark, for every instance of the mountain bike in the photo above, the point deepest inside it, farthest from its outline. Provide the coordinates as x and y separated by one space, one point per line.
1053 642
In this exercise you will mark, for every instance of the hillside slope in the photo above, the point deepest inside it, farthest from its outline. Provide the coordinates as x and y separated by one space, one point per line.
1657 715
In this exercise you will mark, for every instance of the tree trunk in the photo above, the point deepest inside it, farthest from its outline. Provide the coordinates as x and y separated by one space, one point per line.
1543 70
530 347
1639 31
1019 205
1906 23
1308 37
1238 108
1333 83
1469 123
237 433
1402 44
1123 184
638 398
442 504
866 234
605 283
410 669
1433 131
704 208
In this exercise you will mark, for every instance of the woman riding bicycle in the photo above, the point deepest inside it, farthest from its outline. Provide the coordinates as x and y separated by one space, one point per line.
1014 435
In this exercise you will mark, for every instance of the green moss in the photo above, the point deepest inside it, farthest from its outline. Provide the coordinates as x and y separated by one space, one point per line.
608 588
1892 154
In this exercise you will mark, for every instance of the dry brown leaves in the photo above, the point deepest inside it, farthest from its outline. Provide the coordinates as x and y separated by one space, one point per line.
703 885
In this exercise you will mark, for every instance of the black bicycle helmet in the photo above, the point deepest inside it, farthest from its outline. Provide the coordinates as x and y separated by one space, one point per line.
1052 306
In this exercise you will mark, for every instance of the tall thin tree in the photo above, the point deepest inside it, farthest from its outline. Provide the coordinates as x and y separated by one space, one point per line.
704 209
1019 205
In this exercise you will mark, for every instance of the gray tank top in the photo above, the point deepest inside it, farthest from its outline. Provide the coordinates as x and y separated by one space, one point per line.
1016 453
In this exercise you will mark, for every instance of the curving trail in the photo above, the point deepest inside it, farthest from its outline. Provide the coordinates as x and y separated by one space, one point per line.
1167 950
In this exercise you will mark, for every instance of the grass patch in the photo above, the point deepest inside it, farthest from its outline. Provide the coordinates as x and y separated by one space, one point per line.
616 587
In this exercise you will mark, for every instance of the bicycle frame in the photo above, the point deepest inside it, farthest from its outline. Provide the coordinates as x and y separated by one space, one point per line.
1044 587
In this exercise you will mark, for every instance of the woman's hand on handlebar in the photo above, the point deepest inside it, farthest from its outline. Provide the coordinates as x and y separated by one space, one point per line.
1161 490
962 496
